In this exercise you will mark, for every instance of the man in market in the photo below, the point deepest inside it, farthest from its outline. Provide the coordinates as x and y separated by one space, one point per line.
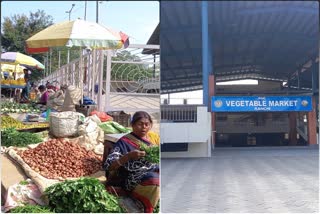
26 89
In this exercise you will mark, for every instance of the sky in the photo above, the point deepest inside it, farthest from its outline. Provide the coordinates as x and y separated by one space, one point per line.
138 19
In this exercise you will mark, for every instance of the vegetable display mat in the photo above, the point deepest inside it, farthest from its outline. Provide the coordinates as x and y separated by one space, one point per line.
41 181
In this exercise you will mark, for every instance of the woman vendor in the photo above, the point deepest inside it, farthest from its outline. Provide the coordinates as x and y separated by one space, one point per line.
138 176
44 95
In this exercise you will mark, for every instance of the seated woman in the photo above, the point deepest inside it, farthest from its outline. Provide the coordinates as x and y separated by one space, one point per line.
138 176
44 95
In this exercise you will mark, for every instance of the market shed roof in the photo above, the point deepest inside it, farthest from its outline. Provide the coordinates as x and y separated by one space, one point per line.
153 40
248 39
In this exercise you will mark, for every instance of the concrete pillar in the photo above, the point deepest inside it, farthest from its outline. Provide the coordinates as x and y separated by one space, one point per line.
212 92
312 123
293 129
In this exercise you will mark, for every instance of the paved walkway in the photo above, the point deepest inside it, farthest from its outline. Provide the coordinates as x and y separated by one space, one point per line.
246 180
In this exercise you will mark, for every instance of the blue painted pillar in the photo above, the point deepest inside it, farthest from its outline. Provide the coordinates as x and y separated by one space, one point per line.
206 52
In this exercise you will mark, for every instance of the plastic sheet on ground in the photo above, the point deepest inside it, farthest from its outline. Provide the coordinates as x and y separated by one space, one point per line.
20 194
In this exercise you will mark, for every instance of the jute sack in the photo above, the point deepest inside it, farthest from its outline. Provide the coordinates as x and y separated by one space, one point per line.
64 124
42 182
72 97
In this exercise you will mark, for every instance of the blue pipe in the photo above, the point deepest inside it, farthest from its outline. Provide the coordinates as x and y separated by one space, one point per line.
205 51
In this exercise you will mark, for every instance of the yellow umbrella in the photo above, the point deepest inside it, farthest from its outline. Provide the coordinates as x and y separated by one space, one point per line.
78 33
22 59
12 68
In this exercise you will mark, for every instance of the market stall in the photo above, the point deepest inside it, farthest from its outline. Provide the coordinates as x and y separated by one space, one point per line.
63 163
64 154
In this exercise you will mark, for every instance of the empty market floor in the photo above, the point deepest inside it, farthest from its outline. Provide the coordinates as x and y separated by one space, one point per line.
250 180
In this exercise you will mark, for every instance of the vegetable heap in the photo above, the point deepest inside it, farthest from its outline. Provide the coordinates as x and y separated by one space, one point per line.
11 107
30 209
152 152
85 195
9 122
57 159
11 137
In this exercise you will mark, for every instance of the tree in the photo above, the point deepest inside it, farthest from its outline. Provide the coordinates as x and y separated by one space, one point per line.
18 28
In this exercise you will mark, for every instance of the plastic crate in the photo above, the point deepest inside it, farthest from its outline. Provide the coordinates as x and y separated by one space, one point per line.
120 117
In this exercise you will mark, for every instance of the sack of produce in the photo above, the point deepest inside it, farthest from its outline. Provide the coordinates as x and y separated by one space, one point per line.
64 124
104 117
72 97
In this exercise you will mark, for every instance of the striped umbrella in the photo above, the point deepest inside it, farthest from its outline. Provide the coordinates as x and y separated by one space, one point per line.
78 33
16 58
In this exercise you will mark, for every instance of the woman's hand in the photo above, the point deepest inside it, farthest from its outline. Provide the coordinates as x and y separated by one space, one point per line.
136 154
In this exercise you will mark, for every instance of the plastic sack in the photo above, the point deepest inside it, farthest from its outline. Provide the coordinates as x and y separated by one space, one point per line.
108 128
121 128
95 118
112 127
20 194
102 116
64 124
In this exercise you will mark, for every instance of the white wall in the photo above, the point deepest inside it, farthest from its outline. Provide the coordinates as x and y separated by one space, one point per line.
198 135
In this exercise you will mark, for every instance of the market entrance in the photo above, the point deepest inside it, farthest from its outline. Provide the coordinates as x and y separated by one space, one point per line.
242 120
258 129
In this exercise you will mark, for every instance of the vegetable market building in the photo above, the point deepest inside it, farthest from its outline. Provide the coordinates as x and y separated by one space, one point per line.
205 43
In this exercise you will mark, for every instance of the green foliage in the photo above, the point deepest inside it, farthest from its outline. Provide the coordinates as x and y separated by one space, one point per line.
85 195
152 153
11 137
23 182
19 27
31 209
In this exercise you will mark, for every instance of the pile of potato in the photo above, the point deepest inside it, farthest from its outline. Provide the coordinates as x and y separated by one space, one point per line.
58 158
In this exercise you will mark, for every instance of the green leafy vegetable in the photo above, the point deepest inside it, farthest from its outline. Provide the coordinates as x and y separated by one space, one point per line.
85 195
24 183
31 209
152 152
12 137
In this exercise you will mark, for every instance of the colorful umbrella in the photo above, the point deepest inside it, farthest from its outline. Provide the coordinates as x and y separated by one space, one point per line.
19 58
78 33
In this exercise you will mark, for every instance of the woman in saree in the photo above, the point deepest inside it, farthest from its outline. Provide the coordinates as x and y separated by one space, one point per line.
137 176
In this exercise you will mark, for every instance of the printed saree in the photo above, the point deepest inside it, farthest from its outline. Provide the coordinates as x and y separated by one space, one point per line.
139 177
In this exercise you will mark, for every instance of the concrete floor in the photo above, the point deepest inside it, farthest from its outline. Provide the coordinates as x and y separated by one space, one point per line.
246 180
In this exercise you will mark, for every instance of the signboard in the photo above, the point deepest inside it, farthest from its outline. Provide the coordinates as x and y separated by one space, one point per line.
260 104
